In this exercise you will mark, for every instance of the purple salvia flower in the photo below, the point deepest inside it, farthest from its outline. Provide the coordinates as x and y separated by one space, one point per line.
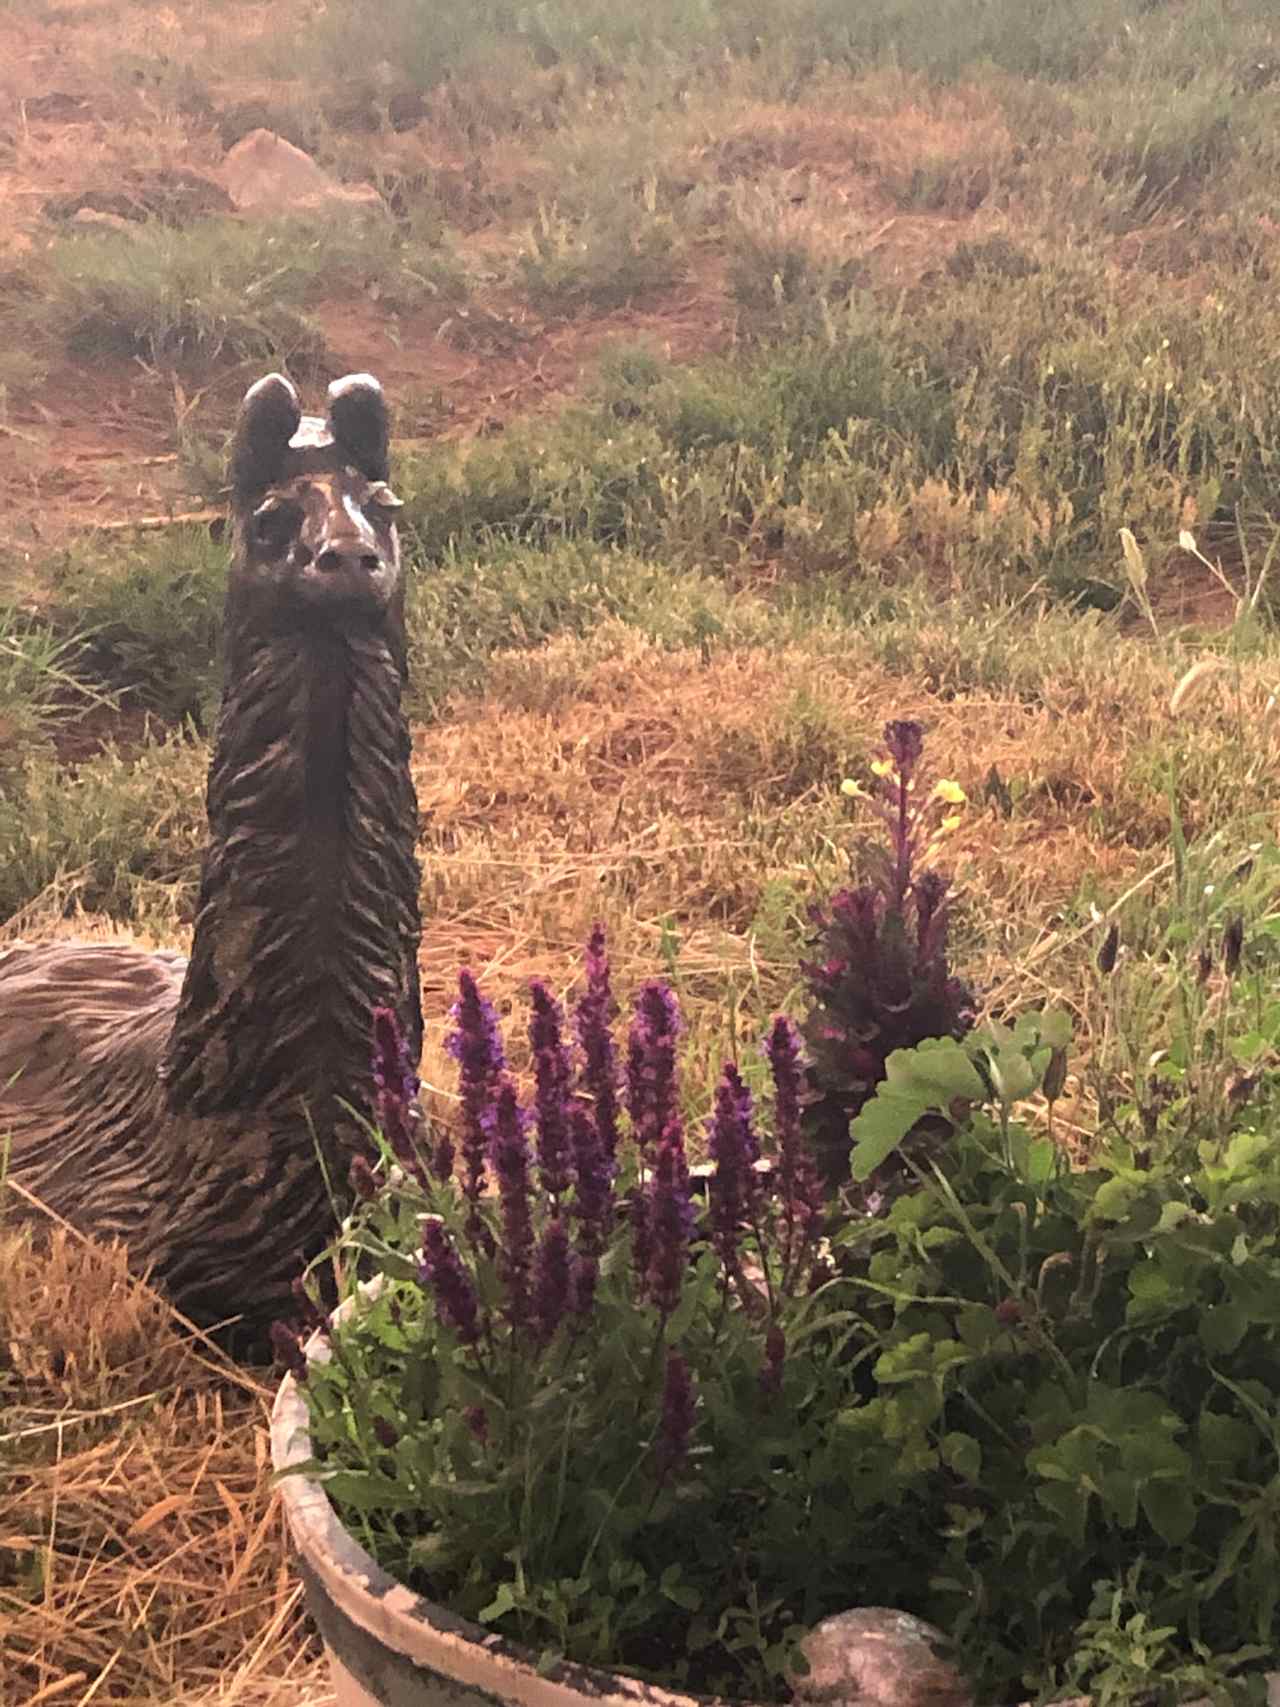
385 1432
477 1048
593 1184
678 1414
509 1155
553 1077
670 1222
396 1085
798 1182
477 1420
288 1349
775 1351
443 1274
595 1016
552 1280
732 1147
651 1065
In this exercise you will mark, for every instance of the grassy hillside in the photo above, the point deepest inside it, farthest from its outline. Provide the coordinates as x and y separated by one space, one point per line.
762 372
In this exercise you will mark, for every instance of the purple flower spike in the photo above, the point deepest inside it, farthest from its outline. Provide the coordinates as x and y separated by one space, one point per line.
593 1184
678 1415
904 738
553 1076
733 1149
552 1280
595 1016
477 1048
396 1085
450 1285
509 1154
651 1065
798 1182
670 1222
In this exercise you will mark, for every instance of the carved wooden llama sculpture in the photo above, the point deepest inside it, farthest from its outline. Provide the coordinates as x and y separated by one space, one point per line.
179 1106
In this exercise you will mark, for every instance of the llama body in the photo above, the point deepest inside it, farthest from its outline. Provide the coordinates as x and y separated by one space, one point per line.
193 1108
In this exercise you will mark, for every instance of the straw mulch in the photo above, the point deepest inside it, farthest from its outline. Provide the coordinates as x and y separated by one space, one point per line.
142 1549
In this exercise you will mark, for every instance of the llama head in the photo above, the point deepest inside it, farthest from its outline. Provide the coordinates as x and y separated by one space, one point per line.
314 515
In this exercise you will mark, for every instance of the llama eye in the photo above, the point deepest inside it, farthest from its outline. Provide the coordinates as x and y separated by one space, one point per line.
273 522
383 498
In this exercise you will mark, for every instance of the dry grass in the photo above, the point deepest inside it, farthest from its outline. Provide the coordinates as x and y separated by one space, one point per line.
141 1546
141 1551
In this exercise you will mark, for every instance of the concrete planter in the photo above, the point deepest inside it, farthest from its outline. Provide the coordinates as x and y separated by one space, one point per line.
388 1647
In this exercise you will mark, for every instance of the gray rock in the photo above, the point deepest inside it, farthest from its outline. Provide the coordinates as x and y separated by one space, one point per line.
876 1656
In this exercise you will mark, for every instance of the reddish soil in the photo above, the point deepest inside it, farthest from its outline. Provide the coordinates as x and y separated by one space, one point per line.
96 446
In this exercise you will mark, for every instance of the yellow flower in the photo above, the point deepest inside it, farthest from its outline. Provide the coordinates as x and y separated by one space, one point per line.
950 793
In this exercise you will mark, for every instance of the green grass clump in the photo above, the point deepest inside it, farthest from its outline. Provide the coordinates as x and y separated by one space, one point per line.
622 252
467 612
154 615
940 38
115 835
219 289
42 686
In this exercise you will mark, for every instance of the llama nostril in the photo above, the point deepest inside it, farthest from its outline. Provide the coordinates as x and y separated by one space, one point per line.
332 560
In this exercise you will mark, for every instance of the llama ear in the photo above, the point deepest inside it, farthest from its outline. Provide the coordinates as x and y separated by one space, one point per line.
361 423
269 417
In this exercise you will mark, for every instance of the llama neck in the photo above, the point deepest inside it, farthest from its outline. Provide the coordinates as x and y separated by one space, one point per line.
308 910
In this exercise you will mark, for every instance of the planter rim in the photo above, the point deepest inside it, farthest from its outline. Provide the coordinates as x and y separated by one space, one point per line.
428 1634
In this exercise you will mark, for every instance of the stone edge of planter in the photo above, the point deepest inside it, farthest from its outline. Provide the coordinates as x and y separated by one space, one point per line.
427 1635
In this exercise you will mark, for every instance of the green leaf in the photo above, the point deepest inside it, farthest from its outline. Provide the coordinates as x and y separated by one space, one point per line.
919 1081
1170 1510
1172 1215
1114 1198
679 1593
1042 1161
1119 1490
1055 1028
1247 1049
881 1126
1150 1284
504 1601
963 1454
1222 1327
1069 1503
364 1490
